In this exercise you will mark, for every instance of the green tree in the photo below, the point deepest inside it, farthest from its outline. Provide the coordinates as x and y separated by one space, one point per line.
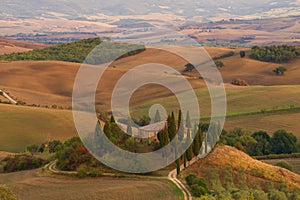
219 64
242 54
189 151
54 145
157 117
285 165
189 67
197 142
129 128
107 130
184 159
172 126
283 142
32 148
280 70
263 143
112 119
188 123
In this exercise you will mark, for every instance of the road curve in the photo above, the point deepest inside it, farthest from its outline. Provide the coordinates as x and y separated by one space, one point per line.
173 177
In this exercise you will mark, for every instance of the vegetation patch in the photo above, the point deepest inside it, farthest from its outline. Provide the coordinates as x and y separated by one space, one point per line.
277 54
78 52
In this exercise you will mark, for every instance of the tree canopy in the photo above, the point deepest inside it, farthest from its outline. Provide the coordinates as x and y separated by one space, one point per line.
277 54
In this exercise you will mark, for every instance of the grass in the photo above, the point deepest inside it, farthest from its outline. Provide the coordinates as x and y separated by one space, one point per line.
254 171
22 126
40 185
251 108
240 100
267 122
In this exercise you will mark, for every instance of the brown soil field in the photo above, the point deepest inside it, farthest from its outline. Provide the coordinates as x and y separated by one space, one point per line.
40 185
8 46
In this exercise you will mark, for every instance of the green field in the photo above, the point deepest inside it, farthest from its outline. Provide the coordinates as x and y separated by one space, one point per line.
22 126
240 100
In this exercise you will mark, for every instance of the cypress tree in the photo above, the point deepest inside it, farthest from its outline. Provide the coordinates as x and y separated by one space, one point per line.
178 166
184 160
157 117
189 151
166 135
172 127
197 143
181 132
129 128
179 119
188 120
205 145
112 119
107 129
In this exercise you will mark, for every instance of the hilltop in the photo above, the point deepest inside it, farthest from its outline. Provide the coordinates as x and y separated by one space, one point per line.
255 171
8 46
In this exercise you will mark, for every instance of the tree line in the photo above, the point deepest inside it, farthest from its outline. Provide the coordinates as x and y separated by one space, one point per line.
261 143
78 51
275 53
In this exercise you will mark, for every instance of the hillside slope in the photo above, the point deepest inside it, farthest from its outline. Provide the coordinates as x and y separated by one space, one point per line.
255 171
8 46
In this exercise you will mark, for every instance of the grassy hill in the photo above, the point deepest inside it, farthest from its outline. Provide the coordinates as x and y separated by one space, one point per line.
51 82
227 167
23 126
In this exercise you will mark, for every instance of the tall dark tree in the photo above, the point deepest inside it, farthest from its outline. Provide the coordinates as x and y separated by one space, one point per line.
107 130
112 119
129 128
181 132
184 160
188 123
189 151
197 142
242 54
157 117
179 119
172 127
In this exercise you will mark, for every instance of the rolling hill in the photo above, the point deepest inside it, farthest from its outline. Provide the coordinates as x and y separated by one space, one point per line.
8 46
48 83
23 126
255 172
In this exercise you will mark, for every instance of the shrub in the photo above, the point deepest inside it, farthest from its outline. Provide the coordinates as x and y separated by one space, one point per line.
21 162
239 82
219 64
280 70
242 54
259 195
277 195
6 193
285 165
225 55
198 191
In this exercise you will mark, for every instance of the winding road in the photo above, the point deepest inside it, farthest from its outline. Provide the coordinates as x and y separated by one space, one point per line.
172 176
